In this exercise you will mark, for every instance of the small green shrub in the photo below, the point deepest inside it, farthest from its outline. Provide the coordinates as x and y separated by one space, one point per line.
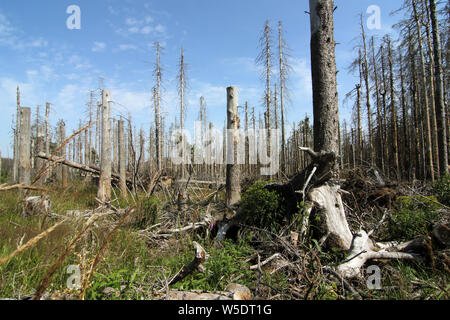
148 212
224 265
413 217
441 189
263 208
4 177
114 280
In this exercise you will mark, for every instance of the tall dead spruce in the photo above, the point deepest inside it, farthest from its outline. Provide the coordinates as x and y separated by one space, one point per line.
104 187
233 190
321 176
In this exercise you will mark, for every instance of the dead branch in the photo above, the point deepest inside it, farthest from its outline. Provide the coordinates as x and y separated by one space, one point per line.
196 264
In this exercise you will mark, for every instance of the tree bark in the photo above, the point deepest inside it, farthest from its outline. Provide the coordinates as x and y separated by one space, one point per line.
323 67
104 187
440 106
24 163
365 70
233 187
393 114
122 159
429 145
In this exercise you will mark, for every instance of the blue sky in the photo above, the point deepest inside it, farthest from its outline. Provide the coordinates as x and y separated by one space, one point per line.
220 38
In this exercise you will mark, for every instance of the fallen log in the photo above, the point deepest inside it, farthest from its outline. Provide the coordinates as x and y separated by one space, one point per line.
232 292
196 264
89 169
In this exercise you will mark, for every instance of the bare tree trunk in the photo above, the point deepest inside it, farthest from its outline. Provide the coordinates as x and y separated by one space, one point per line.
379 120
24 169
440 106
247 141
17 139
130 145
358 119
323 64
384 113
284 70
122 159
86 147
406 163
431 75
393 114
89 146
181 88
275 104
62 137
98 132
115 146
326 118
104 188
365 70
158 110
233 187
414 96
429 147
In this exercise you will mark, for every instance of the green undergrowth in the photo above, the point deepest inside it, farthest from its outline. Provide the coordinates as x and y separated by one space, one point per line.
413 217
263 208
133 268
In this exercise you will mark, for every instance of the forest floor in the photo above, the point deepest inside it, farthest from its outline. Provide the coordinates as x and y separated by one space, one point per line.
135 257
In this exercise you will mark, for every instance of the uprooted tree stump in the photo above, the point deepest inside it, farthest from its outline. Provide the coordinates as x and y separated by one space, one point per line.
319 190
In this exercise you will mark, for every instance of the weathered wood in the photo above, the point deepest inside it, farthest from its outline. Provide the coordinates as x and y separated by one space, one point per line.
323 67
62 137
104 185
16 140
232 292
25 146
328 200
89 169
439 96
196 264
362 250
122 159
233 187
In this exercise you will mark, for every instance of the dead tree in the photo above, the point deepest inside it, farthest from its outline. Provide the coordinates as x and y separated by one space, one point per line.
324 196
429 148
16 139
365 71
393 113
182 85
285 70
233 187
122 158
157 106
104 186
24 143
62 137
264 59
439 95
379 119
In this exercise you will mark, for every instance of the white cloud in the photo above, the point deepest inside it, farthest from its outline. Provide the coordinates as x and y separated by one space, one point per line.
131 21
126 47
14 38
147 30
160 28
113 11
99 47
